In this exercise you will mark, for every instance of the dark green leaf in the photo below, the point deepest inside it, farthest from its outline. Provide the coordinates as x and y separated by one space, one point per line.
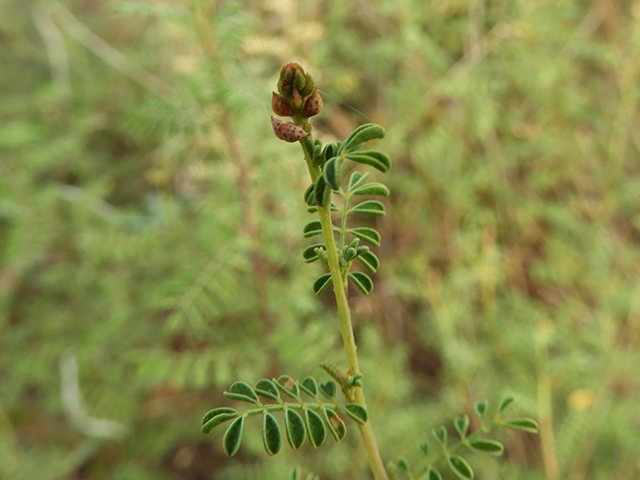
315 427
309 195
362 281
336 425
440 435
481 409
312 228
321 283
217 416
266 388
233 437
357 412
370 207
310 254
460 467
433 474
424 448
350 254
310 386
369 260
294 426
403 465
372 189
524 424
367 234
329 151
374 159
288 385
360 135
487 447
243 392
328 389
216 411
356 179
271 437
504 403
462 425
309 144
332 173
322 192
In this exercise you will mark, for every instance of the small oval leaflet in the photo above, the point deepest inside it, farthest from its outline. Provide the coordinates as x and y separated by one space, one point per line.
310 195
424 449
360 135
481 409
462 425
356 179
356 412
440 435
504 403
460 467
322 192
433 474
266 388
243 392
310 254
336 425
288 386
316 429
312 228
212 421
369 261
310 386
372 189
362 281
487 447
332 173
525 424
271 437
328 389
321 283
370 207
367 234
295 428
233 437
402 465
374 159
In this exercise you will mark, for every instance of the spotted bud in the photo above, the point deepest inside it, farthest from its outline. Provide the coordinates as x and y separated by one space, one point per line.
313 104
287 131
281 106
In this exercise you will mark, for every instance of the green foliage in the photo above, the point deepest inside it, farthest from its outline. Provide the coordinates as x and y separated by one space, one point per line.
319 416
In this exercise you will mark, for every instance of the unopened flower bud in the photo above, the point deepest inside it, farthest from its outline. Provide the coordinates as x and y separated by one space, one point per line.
313 105
281 106
287 131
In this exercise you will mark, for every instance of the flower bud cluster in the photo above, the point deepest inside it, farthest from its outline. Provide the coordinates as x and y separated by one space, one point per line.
299 98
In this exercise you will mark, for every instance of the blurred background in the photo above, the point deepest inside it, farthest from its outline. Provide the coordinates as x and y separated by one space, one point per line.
151 230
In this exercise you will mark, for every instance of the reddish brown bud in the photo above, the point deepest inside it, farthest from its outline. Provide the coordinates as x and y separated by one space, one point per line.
281 106
313 105
287 131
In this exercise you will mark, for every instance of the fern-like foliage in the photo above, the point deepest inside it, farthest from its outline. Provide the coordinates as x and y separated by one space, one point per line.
302 418
456 463
330 159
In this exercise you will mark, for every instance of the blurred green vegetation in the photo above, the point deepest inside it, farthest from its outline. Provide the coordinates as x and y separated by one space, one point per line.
150 229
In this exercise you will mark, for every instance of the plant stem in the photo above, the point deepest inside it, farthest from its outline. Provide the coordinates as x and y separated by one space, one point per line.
344 313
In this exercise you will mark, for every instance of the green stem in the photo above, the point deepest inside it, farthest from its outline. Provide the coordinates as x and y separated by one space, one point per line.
344 313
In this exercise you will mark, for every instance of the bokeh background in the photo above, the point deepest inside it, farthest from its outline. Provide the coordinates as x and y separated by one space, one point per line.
150 230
